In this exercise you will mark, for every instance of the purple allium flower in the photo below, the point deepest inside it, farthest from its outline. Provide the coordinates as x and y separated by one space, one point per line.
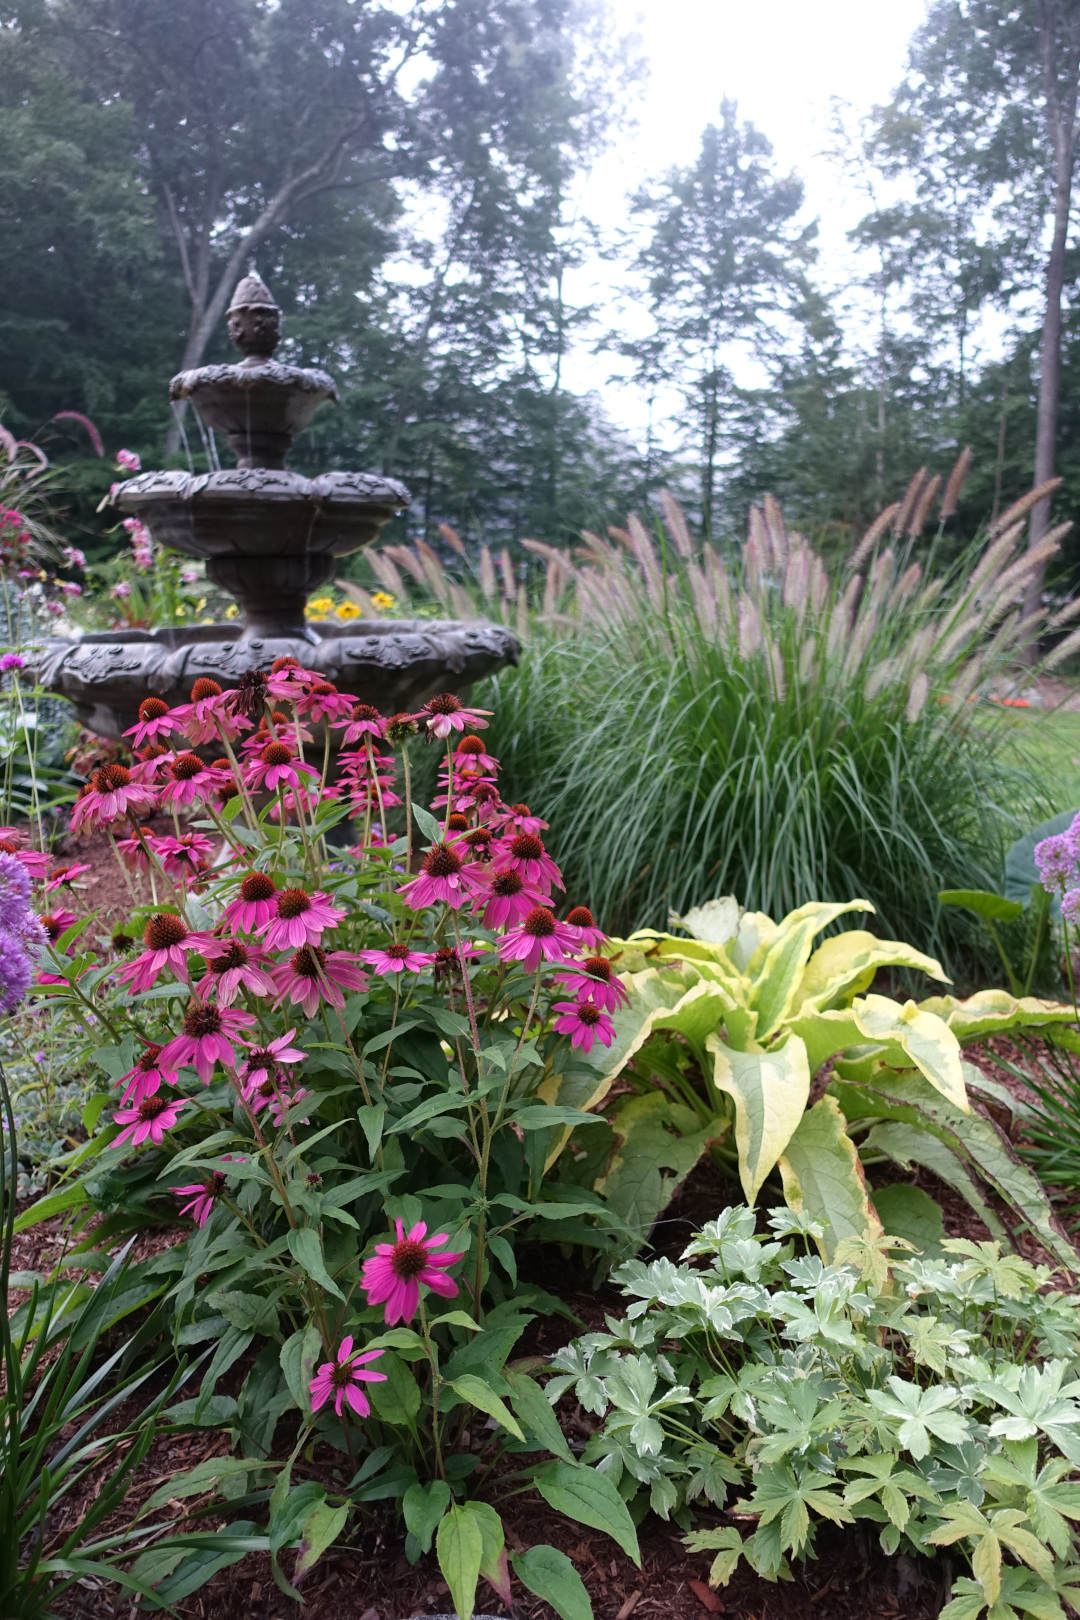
1055 858
1070 907
14 892
15 972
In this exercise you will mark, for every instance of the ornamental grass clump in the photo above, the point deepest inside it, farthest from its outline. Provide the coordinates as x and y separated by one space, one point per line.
335 1062
754 724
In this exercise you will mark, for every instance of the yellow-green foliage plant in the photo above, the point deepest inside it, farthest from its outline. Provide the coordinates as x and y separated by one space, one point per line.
726 1030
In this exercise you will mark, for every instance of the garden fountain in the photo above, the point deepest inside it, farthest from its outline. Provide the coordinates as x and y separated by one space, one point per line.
269 537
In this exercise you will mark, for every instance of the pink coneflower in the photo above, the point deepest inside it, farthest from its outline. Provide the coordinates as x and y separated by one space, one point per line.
207 715
540 938
289 679
35 863
447 713
233 965
527 855
113 792
508 898
595 978
64 876
276 766
186 780
443 876
206 1038
147 1076
264 1060
274 1093
323 702
202 1195
56 923
449 961
184 857
519 818
128 461
472 759
365 722
397 958
150 1118
300 919
583 920
155 721
254 907
343 1377
584 1023
311 975
132 851
167 940
393 1275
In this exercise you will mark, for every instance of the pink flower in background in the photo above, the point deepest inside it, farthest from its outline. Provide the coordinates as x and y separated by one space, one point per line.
150 1118
121 591
283 1102
155 721
472 759
167 940
11 661
595 978
447 713
300 919
342 1378
142 547
312 975
64 876
443 877
202 1195
128 461
289 679
184 857
189 575
68 587
232 966
276 766
582 919
393 1275
35 863
263 1061
519 818
207 716
146 1077
539 939
323 701
505 898
73 557
366 722
113 792
527 855
187 780
255 905
584 1023
398 958
206 1039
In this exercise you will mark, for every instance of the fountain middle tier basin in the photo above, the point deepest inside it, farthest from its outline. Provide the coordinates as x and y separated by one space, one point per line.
393 664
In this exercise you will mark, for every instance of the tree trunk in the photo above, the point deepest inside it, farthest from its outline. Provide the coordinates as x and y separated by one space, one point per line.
1061 127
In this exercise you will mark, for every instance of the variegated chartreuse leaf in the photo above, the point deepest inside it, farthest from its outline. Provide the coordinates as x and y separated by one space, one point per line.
658 1144
770 1091
845 965
777 966
924 1040
993 1012
823 1178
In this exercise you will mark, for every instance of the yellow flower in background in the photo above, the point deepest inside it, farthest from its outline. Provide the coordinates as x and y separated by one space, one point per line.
382 601
320 607
348 610
231 611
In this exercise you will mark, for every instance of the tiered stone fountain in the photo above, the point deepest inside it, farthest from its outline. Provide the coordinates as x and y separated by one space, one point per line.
270 537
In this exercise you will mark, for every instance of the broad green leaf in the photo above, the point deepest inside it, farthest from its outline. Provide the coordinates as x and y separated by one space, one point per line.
460 1549
552 1577
993 907
532 1407
654 1135
590 1498
823 1178
925 1040
299 1357
776 969
200 1480
306 1250
322 1527
909 1213
824 1034
909 1145
57 1203
482 1396
845 965
770 1090
493 1558
398 1400
994 1012
424 1506
714 923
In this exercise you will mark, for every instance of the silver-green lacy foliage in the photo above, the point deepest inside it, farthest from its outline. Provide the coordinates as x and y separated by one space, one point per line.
937 1397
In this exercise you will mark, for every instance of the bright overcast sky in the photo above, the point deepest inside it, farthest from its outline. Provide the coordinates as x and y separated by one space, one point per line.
782 61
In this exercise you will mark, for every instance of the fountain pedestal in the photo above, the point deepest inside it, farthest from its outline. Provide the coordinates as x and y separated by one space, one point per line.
269 537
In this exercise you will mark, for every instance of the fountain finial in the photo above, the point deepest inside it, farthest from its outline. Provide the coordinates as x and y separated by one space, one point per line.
254 319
